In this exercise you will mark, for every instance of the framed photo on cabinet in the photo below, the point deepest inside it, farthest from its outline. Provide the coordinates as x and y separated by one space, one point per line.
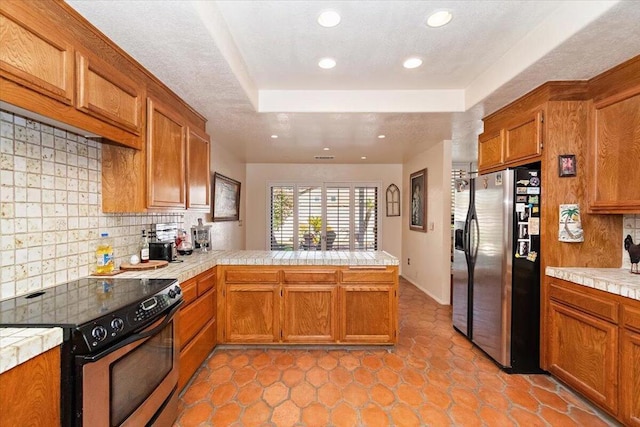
226 198
418 187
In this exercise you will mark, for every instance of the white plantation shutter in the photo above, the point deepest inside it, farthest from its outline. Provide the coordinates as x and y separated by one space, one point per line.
282 227
338 202
309 217
366 218
324 217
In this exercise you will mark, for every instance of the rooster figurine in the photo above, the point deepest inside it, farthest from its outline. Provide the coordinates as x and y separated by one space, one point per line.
634 253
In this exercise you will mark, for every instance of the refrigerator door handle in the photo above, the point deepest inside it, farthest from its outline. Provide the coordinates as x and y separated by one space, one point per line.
475 238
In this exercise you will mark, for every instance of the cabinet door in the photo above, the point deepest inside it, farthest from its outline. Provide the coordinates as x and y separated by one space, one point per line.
165 157
195 316
252 313
615 152
367 313
30 392
490 151
309 313
583 353
198 174
630 378
107 94
37 57
523 139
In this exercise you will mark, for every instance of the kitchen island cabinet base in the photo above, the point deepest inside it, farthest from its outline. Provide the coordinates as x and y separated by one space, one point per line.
311 305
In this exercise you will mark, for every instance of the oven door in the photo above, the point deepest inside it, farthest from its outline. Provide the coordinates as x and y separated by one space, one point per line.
134 383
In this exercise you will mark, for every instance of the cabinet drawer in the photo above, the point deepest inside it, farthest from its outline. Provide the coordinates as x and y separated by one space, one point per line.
192 356
251 276
591 304
195 316
206 282
368 275
189 292
310 276
631 317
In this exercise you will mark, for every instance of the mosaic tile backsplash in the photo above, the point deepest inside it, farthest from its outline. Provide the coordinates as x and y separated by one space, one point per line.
50 208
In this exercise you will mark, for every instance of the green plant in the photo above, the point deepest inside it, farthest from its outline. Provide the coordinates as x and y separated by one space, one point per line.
282 207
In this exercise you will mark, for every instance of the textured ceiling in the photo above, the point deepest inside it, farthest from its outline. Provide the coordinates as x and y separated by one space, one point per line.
250 67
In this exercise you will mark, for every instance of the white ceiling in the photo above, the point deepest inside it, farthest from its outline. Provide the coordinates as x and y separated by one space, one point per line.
251 67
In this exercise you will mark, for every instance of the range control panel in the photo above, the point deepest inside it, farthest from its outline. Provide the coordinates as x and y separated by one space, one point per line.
112 327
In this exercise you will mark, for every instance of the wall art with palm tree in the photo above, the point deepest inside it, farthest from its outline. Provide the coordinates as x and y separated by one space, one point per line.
570 228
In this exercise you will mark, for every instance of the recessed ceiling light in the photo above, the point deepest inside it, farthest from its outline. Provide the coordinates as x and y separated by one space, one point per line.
382 136
439 18
274 136
412 63
327 63
364 157
326 148
329 18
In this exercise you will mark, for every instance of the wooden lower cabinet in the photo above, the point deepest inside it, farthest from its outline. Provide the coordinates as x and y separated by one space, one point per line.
583 353
252 313
630 378
593 345
308 305
367 313
30 392
197 326
309 313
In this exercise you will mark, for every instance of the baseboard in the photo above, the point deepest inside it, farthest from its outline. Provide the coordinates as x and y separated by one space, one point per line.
425 291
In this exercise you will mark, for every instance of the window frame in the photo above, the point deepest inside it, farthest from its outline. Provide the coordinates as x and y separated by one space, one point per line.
323 186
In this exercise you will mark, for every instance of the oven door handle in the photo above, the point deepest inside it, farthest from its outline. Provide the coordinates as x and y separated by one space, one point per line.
136 337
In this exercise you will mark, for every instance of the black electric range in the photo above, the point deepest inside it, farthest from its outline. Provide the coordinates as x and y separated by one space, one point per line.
93 312
96 316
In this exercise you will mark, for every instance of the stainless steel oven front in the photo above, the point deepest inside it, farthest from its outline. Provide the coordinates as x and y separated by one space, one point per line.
133 383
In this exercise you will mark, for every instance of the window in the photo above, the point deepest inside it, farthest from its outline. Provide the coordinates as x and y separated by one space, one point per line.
324 217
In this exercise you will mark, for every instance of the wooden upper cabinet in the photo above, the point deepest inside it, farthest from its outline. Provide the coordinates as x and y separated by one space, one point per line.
198 173
107 94
615 154
166 133
490 150
523 139
35 56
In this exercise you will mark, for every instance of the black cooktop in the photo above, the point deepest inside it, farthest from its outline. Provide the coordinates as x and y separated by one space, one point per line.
75 303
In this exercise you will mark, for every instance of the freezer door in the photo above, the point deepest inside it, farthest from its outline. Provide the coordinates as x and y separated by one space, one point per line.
460 291
491 298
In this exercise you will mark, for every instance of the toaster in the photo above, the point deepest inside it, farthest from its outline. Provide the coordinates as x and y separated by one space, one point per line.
165 251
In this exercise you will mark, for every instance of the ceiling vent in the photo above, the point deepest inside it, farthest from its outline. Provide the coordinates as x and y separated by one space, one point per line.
324 157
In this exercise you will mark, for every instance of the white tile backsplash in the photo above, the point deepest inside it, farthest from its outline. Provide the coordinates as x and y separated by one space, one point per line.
50 207
630 226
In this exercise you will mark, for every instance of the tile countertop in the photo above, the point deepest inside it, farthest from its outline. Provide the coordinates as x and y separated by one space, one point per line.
18 345
617 281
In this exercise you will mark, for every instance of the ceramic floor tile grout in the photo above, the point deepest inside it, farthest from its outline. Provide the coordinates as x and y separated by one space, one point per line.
433 377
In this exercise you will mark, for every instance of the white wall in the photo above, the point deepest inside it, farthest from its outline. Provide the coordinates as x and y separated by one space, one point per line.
430 252
259 174
226 234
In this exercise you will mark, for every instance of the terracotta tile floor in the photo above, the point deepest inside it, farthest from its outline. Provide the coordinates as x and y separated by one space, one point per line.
433 377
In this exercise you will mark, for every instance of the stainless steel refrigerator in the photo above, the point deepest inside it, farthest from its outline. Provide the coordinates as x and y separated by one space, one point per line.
496 266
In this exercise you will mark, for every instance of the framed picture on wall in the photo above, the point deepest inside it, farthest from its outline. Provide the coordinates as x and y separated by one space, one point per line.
418 187
226 198
566 165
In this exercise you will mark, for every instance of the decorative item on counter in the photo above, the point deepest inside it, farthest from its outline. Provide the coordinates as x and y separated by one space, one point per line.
202 235
104 255
134 260
570 224
183 244
634 253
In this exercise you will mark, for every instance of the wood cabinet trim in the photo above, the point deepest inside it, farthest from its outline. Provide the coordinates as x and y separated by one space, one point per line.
605 309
